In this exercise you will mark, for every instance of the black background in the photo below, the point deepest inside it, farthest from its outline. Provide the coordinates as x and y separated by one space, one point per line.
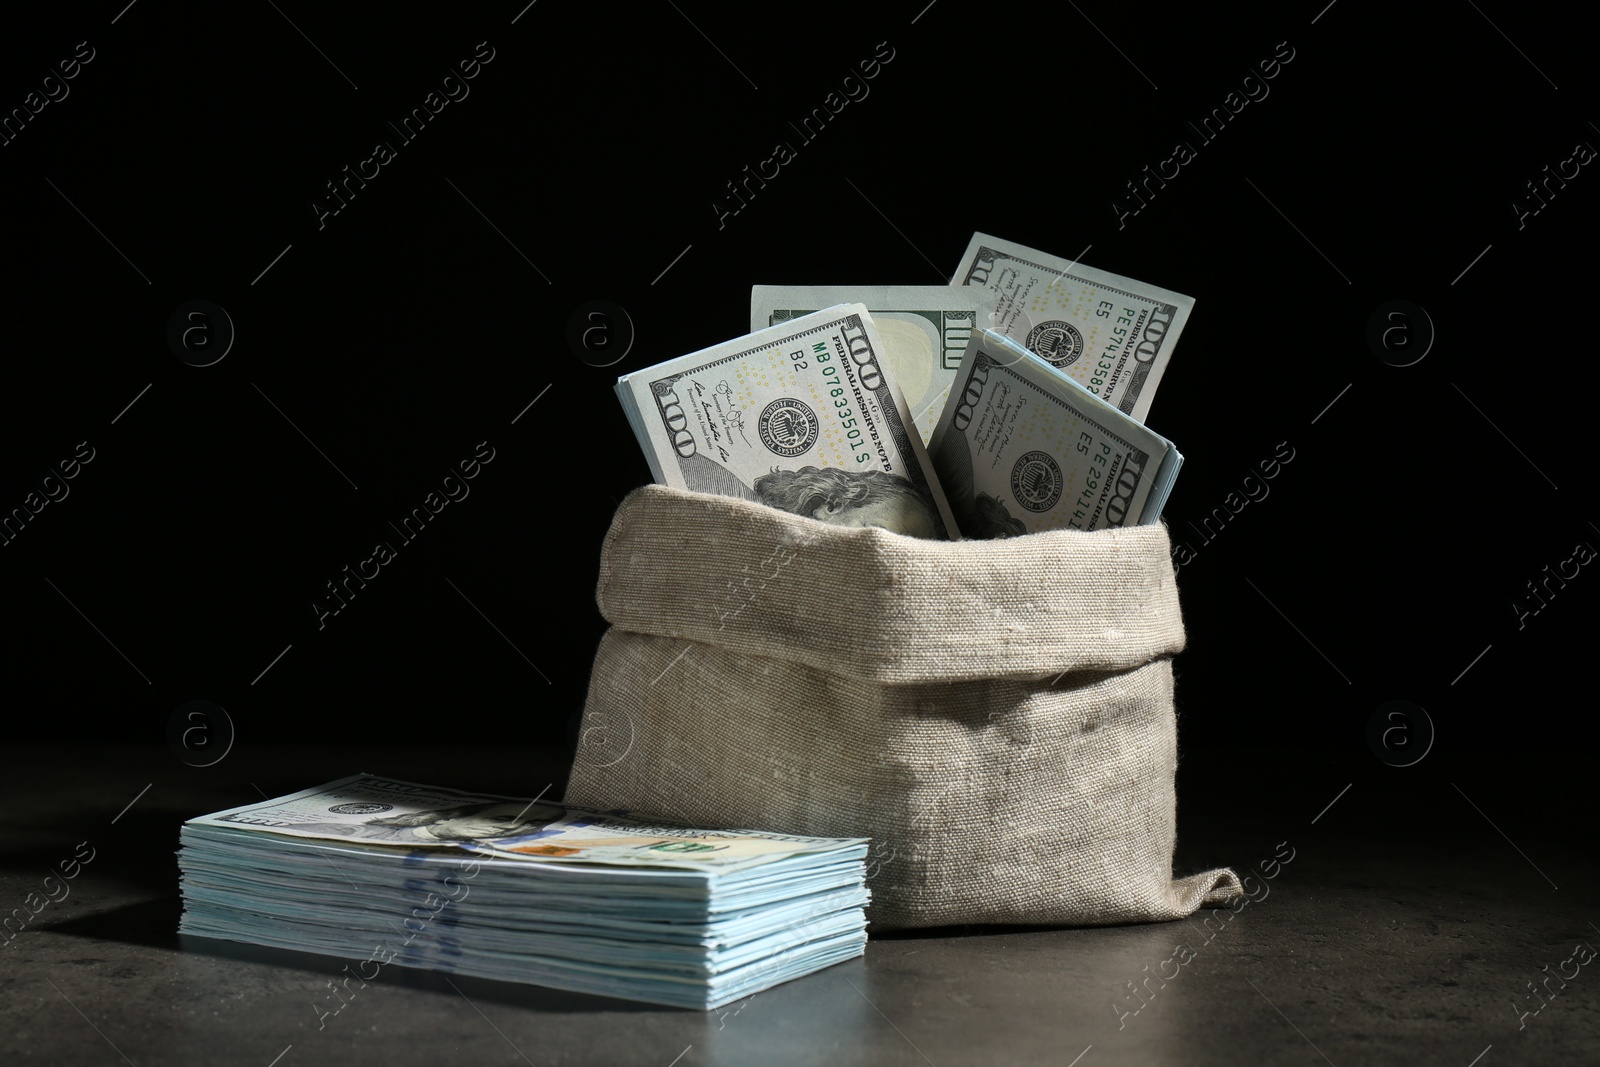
375 351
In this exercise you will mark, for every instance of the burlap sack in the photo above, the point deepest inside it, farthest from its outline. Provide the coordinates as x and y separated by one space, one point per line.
996 715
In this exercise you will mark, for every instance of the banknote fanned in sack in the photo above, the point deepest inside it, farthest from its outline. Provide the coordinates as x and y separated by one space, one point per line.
996 715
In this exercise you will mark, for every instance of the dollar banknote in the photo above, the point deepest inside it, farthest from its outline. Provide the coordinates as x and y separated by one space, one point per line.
368 810
1022 448
520 890
925 329
804 416
1110 334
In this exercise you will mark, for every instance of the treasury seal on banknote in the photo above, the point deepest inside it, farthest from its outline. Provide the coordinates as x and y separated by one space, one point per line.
1036 481
360 809
1058 342
788 426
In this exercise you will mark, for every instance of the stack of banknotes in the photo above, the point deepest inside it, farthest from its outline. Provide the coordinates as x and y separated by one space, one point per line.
1010 401
375 872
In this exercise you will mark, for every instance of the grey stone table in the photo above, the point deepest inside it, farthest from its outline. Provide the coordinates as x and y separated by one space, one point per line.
1420 909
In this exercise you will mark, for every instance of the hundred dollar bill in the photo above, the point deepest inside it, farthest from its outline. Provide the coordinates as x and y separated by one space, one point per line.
365 810
1022 448
804 416
1110 334
925 329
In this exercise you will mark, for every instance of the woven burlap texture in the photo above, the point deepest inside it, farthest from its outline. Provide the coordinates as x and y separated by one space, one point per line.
997 716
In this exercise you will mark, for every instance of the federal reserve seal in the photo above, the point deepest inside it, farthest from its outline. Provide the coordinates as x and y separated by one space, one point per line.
359 809
1057 342
1036 481
788 427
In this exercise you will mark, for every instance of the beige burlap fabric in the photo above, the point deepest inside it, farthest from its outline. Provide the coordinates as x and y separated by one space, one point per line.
996 715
